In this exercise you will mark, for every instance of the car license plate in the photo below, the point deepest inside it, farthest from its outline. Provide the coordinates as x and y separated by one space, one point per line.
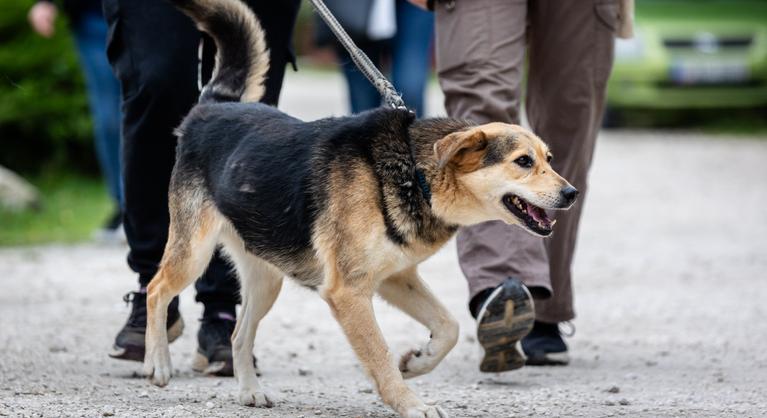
697 72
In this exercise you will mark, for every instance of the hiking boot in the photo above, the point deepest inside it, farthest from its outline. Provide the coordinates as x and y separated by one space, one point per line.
544 346
504 318
129 343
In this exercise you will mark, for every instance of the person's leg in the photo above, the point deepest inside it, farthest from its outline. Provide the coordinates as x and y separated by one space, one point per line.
410 54
90 33
151 48
480 58
362 94
568 74
569 68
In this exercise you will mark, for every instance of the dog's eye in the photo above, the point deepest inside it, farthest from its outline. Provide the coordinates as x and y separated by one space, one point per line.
524 161
548 158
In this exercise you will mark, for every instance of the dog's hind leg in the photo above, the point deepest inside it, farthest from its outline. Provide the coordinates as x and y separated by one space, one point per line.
192 239
260 283
407 291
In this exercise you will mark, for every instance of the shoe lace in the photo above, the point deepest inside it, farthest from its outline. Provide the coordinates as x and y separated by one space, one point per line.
570 329
138 312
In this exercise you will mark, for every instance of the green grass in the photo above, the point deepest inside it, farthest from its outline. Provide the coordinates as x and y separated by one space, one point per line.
73 208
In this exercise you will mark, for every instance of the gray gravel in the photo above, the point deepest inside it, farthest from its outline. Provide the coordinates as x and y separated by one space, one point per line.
671 291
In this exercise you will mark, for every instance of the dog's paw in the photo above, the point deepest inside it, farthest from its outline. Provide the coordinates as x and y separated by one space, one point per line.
158 368
256 397
416 362
426 411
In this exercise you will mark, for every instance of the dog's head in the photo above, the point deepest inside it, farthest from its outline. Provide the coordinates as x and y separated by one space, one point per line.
501 171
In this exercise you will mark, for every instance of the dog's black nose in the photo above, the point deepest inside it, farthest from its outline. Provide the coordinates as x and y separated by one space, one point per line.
570 193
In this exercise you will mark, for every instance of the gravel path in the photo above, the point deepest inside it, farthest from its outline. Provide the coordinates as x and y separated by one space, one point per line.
671 291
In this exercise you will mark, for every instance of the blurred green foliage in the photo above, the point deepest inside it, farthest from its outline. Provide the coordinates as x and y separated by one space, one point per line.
74 206
44 119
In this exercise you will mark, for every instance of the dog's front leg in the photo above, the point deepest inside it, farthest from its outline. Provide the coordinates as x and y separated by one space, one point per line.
409 293
353 309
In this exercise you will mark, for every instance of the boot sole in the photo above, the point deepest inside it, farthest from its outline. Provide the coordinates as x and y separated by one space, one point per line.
549 359
503 322
136 352
201 364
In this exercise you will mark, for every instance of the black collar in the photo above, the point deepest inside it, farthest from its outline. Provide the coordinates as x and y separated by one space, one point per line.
424 185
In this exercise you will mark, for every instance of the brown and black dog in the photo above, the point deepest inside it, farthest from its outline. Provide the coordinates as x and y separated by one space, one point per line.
349 206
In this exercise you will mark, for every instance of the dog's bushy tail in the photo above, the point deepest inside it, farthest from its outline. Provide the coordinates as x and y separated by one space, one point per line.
242 58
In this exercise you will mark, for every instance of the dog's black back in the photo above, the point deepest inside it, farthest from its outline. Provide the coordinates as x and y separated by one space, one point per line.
269 172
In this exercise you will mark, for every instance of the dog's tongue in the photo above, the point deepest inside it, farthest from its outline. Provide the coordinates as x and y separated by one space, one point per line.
538 214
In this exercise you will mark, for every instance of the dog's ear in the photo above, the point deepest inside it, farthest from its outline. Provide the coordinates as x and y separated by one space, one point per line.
463 149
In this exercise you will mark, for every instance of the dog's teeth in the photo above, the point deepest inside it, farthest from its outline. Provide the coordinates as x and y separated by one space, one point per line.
553 222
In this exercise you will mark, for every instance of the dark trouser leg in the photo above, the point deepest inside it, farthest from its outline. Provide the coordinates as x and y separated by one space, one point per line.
568 74
480 57
153 51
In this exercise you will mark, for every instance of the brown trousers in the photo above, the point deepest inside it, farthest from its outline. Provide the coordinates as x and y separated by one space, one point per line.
481 46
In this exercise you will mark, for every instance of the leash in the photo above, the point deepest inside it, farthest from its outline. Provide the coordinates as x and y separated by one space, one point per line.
384 86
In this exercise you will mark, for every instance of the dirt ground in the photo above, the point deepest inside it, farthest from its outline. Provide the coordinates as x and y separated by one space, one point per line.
671 290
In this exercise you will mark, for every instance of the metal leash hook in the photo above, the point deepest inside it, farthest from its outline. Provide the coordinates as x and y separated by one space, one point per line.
385 87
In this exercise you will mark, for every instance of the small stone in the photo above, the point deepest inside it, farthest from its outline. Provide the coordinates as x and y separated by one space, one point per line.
143 394
304 372
365 390
311 346
609 403
318 412
613 389
624 401
107 411
57 349
209 404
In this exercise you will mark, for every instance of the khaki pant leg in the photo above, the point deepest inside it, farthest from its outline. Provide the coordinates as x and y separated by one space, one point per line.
570 56
480 49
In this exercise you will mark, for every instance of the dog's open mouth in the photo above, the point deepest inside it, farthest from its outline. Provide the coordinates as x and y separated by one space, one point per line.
532 216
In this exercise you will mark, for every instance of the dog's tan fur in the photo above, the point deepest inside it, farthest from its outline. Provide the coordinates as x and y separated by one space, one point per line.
352 258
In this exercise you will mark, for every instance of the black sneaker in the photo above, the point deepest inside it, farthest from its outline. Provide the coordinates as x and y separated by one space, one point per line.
129 343
544 346
214 349
505 317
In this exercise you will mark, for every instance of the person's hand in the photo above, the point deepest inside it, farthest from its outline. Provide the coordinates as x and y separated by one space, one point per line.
419 3
42 17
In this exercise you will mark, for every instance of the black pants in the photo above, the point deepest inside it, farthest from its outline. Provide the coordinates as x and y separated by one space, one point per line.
153 51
